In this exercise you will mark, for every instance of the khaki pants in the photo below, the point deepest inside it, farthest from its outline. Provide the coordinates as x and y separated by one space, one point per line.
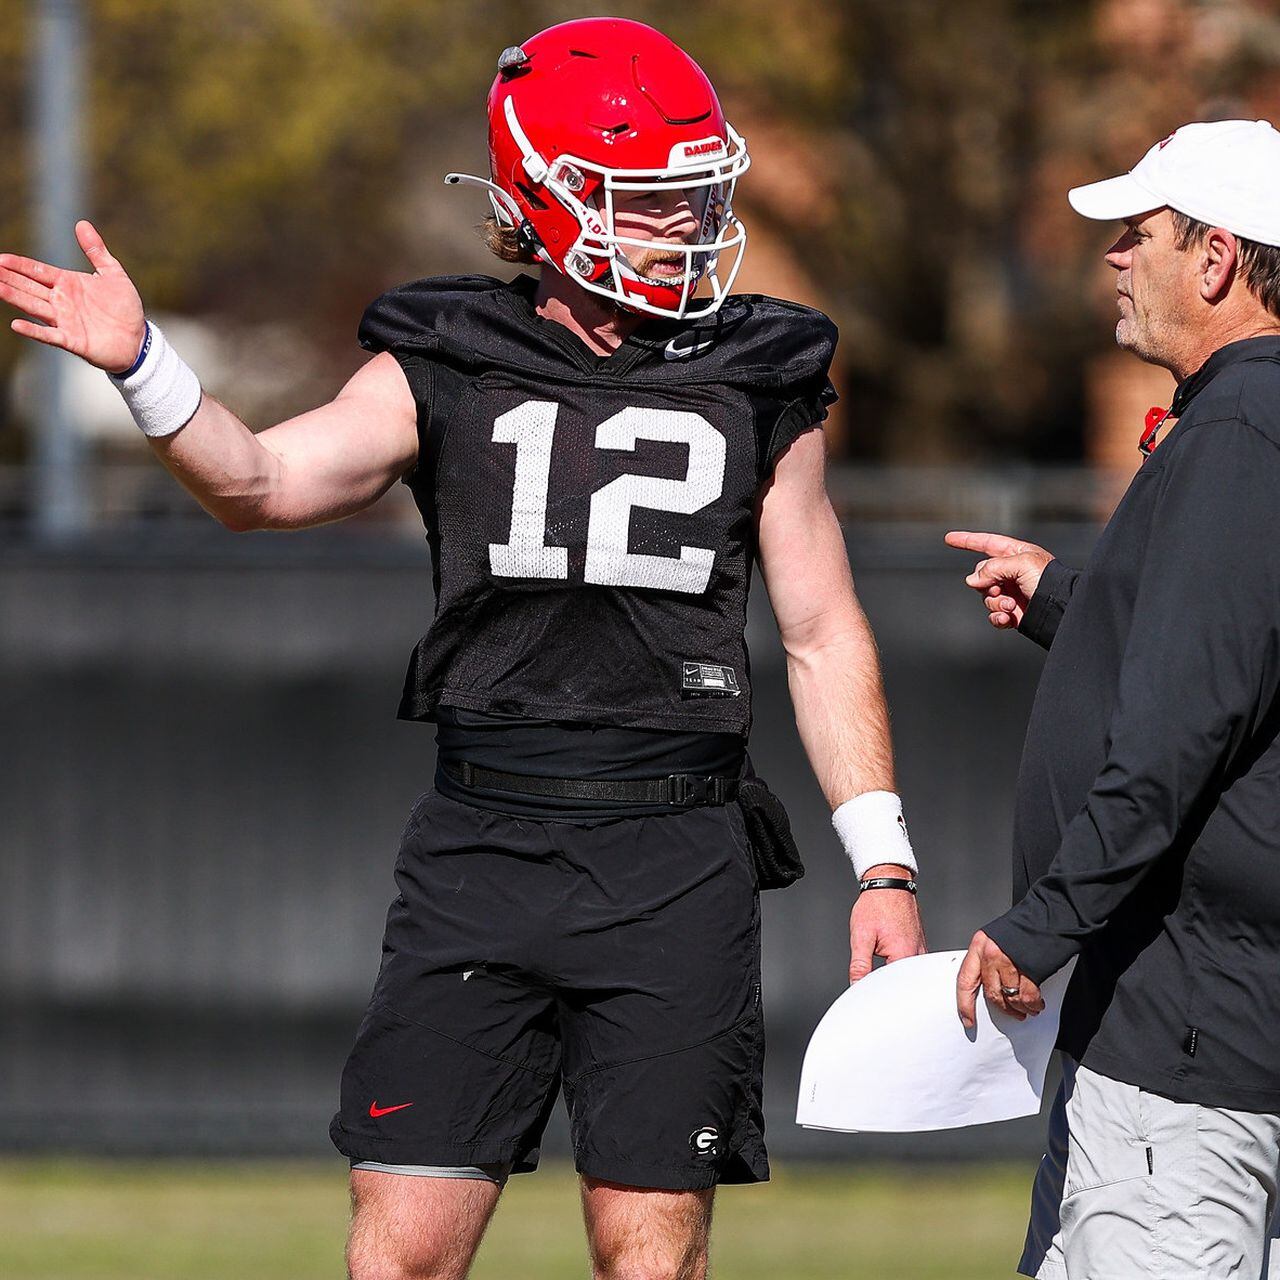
1134 1185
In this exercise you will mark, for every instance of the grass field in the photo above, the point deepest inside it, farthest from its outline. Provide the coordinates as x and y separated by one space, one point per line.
162 1221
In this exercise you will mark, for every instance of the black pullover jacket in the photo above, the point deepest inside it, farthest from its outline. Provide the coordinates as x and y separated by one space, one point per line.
1147 824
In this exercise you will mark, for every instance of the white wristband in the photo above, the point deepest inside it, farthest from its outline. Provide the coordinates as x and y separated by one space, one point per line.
161 389
872 829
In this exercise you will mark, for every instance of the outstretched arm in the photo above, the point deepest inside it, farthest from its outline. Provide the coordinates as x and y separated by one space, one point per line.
320 466
833 669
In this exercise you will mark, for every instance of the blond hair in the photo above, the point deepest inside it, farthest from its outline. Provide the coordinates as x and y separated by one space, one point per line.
503 242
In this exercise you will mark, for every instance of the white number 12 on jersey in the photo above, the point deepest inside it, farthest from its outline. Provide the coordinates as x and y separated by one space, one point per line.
531 428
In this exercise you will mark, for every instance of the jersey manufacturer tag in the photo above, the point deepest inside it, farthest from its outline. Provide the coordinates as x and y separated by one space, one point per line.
710 680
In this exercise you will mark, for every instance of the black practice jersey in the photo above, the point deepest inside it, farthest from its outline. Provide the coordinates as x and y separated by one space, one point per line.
592 519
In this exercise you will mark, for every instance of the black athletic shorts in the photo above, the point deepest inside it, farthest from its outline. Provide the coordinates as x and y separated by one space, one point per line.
618 958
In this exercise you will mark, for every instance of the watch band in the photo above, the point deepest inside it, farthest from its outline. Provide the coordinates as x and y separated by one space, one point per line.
888 882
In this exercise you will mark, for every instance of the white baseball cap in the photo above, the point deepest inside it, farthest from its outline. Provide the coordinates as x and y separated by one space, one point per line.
1225 173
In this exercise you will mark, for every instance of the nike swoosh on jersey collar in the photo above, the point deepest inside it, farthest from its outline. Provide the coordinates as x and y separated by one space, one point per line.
673 352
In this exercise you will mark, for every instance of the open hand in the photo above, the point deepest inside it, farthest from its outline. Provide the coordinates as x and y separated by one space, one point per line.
1008 578
986 967
884 922
96 315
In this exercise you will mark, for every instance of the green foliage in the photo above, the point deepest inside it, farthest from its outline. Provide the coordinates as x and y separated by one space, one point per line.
280 159
258 136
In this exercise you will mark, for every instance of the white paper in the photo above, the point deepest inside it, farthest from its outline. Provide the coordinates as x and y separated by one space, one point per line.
892 1056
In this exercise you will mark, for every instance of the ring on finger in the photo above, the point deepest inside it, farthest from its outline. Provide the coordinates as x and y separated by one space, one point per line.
1009 992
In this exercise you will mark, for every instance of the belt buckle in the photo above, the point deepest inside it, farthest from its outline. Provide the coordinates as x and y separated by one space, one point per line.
684 790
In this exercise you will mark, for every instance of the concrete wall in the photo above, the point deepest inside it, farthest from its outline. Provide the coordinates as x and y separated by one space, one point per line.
202 787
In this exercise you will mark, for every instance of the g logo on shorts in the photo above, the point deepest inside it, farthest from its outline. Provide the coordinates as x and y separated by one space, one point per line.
705 1142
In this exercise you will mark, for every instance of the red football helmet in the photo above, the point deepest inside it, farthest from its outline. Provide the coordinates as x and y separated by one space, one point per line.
597 106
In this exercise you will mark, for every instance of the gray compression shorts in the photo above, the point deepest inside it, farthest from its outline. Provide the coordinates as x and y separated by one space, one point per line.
495 1173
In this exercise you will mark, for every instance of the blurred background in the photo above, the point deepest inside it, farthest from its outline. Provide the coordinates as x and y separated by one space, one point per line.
203 783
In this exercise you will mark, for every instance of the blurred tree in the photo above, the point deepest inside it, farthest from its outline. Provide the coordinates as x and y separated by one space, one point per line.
281 160
245 154
249 150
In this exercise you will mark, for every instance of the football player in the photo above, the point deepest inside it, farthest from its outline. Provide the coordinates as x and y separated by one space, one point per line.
599 454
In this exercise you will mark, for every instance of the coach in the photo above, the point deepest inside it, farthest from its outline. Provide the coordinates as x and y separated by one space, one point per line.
1147 826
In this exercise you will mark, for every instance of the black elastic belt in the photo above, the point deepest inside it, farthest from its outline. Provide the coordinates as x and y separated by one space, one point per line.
682 790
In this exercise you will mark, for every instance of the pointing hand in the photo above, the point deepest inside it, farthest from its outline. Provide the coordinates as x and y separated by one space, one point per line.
1008 578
